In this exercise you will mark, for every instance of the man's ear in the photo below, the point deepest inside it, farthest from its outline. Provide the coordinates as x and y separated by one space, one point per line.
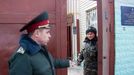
36 33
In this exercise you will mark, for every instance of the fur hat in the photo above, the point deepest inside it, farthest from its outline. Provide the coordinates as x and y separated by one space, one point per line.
91 29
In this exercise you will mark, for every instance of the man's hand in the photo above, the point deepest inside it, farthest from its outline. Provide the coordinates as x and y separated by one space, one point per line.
72 63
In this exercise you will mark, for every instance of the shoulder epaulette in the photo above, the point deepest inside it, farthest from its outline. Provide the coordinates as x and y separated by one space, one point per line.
21 50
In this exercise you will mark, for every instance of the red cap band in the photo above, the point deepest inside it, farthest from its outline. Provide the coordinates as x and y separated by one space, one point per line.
35 26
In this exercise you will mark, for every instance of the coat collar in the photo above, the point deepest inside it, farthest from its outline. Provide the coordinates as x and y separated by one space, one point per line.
29 44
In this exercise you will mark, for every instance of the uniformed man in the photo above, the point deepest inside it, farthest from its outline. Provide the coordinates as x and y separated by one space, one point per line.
89 52
32 56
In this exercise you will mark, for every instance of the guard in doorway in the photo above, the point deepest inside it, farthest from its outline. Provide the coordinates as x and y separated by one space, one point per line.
89 52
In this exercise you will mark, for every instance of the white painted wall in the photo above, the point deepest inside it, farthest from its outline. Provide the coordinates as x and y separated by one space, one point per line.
124 41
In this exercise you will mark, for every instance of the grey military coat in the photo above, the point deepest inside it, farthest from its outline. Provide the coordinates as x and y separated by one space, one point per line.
32 59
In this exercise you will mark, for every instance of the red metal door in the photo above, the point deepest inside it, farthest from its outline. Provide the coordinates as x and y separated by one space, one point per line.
16 13
106 37
9 35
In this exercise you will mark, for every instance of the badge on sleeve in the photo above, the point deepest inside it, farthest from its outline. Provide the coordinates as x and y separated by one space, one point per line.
21 50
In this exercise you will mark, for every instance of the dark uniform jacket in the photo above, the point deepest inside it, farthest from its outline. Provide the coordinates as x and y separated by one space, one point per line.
89 55
33 59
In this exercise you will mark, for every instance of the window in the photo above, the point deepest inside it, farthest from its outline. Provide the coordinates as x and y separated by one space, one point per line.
91 17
